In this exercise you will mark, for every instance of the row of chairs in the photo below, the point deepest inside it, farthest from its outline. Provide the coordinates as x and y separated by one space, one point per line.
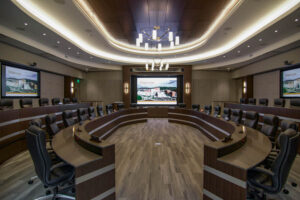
8 103
265 102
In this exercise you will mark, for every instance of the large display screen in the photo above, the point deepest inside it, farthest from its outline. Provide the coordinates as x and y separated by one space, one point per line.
19 82
290 83
158 90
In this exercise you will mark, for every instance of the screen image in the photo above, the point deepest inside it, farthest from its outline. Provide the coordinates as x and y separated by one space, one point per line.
157 90
290 83
17 82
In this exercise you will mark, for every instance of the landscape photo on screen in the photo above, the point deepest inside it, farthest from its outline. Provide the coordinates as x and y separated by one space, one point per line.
291 83
157 91
20 82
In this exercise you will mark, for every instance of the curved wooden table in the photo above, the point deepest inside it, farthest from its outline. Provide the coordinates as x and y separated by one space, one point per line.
225 163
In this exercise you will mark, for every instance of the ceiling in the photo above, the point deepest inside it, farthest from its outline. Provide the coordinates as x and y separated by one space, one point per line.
250 30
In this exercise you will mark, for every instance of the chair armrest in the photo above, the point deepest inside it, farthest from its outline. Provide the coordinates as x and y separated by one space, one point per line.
263 170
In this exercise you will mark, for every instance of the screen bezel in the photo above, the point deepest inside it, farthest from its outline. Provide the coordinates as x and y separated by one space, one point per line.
3 79
281 80
159 76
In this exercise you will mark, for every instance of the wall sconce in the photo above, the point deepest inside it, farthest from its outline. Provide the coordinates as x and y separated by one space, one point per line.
244 87
126 88
187 88
72 87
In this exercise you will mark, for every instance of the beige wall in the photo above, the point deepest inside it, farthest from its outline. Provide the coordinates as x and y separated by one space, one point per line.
20 56
102 86
52 85
208 86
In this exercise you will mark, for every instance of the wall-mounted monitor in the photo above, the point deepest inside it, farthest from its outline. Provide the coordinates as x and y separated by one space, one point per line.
157 90
290 82
19 82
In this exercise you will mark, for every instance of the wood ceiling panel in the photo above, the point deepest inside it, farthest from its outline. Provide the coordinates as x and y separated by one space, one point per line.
187 18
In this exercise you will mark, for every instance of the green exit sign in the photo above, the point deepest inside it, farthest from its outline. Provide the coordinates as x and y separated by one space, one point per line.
78 80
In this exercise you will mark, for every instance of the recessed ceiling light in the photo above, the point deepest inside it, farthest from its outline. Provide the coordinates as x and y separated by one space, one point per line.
58 42
260 39
276 31
224 56
78 53
248 46
44 34
296 20
238 51
91 57
26 24
69 48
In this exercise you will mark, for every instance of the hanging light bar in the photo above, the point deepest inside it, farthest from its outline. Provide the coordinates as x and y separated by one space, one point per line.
147 67
141 38
177 40
152 67
154 34
172 44
170 36
146 46
159 46
138 42
167 66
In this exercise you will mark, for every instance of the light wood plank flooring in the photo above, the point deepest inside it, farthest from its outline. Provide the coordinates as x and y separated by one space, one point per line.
156 160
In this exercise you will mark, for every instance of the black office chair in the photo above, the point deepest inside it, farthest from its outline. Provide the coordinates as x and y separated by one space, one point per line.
243 101
279 102
51 125
100 111
252 101
207 109
196 107
133 105
251 119
53 176
92 113
82 114
263 102
109 109
120 106
43 101
217 111
270 126
68 118
181 105
295 103
236 115
271 181
6 104
66 100
55 101
74 100
25 103
226 114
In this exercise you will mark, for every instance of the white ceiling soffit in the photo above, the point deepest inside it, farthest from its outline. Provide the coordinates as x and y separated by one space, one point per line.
63 24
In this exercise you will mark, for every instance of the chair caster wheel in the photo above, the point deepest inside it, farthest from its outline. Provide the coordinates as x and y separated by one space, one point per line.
285 191
30 182
48 192
294 184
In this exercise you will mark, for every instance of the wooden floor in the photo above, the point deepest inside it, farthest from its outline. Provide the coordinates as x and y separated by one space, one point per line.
156 160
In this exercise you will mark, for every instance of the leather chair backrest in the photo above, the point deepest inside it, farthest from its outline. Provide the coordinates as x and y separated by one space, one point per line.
36 143
252 101
109 109
74 100
100 111
196 107
120 106
286 124
68 118
288 141
43 101
207 109
133 105
51 125
82 114
243 100
92 113
6 104
217 111
66 100
24 103
181 105
251 119
226 113
279 102
55 101
270 126
36 122
295 102
236 115
263 102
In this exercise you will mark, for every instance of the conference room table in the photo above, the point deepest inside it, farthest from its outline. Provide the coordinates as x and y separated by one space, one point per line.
232 151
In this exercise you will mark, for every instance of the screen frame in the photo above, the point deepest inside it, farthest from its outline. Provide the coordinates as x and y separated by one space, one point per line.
19 66
158 76
297 66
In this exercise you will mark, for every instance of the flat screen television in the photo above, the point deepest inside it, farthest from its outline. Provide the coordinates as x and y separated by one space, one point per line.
290 83
157 90
19 82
